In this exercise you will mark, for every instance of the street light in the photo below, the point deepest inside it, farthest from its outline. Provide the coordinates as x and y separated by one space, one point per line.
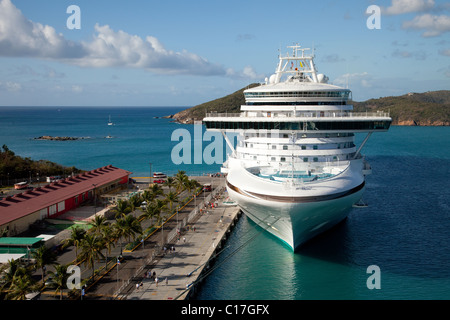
150 178
95 198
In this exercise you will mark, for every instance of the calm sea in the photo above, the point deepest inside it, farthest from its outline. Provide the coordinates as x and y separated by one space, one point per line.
404 231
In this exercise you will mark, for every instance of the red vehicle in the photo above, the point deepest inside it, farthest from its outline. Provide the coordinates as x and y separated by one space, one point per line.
159 181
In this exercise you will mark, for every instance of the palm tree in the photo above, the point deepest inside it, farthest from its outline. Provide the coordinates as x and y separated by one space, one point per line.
8 271
159 220
91 247
180 180
152 210
191 185
135 202
170 199
97 224
21 284
59 279
109 235
122 208
170 182
127 226
76 236
155 190
43 257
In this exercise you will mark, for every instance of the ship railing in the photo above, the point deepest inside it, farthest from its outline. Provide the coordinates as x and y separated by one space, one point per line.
312 115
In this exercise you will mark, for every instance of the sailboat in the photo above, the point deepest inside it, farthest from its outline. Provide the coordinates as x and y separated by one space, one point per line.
110 123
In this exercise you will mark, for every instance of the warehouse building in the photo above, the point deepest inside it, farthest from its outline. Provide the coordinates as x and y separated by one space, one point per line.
18 212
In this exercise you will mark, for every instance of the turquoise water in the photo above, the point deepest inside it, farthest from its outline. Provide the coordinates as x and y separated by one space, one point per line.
404 231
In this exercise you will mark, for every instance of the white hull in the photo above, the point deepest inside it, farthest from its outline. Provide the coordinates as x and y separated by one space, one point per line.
296 221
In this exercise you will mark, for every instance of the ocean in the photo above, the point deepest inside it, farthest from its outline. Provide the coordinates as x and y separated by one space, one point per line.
400 242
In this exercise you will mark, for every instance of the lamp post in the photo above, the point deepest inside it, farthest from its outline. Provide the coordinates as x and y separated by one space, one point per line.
95 198
150 178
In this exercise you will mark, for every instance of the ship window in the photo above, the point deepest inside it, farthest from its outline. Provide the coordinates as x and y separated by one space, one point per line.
316 159
315 147
303 147
305 159
283 159
285 147
274 146
272 159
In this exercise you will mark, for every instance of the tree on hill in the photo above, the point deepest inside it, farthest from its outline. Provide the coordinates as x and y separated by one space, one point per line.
15 167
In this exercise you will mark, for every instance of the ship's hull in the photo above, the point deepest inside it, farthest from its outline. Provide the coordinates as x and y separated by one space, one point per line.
296 223
297 218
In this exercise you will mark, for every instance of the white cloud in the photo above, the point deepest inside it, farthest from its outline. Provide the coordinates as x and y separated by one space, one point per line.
247 73
10 86
432 24
20 37
408 6
418 55
77 89
362 79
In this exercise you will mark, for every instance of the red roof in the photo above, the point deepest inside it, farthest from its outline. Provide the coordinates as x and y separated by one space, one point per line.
23 204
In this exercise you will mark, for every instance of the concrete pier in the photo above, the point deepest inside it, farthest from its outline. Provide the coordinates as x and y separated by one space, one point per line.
177 271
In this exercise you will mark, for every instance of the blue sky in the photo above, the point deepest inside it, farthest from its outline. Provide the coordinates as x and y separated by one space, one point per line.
183 53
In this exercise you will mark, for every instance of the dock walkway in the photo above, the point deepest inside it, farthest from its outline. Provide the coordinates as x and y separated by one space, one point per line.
177 270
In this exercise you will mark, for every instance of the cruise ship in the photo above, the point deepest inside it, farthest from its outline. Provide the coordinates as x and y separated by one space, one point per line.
295 169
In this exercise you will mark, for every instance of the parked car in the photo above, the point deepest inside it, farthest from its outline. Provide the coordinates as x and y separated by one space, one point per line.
159 181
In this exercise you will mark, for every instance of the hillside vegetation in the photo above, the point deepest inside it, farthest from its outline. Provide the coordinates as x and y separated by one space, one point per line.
430 108
14 168
424 109
230 103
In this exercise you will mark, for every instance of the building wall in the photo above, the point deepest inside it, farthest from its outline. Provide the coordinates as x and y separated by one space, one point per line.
20 225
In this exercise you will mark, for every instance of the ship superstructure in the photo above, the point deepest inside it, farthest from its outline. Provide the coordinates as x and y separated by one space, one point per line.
296 170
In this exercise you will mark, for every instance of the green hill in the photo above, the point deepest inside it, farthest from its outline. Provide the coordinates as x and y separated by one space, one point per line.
229 103
14 167
430 108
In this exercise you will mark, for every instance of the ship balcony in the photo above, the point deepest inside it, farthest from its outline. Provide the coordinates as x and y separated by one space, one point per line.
301 115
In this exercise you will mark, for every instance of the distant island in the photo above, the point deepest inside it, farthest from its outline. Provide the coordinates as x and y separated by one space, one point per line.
58 138
430 108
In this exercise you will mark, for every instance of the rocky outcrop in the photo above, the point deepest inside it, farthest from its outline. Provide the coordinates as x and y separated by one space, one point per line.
57 138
